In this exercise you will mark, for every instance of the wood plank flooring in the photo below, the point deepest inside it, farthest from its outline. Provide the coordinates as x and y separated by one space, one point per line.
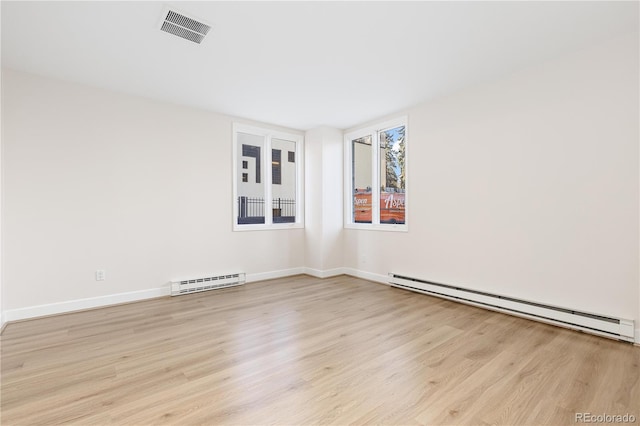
302 350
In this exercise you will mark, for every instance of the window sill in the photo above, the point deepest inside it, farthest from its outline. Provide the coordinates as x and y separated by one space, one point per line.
261 227
369 227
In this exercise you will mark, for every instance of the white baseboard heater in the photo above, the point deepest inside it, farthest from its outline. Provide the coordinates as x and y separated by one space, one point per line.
194 285
616 328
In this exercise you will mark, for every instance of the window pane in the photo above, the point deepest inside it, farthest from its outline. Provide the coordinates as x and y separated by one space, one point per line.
392 175
284 185
362 179
251 179
276 171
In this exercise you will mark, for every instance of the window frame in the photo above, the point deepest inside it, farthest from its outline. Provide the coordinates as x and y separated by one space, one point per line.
374 130
268 135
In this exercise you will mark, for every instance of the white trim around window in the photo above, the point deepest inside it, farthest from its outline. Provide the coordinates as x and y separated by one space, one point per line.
261 205
372 189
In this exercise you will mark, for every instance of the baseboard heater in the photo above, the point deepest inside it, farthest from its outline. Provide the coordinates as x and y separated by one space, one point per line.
617 328
194 285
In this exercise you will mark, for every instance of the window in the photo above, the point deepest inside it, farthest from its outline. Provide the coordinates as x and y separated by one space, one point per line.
267 192
375 177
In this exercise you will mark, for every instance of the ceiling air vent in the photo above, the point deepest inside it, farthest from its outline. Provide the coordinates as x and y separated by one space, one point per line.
182 26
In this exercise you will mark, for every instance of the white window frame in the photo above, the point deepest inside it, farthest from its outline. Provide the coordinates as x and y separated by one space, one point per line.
269 135
374 131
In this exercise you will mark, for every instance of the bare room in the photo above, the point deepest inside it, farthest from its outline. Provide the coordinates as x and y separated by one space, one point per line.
330 212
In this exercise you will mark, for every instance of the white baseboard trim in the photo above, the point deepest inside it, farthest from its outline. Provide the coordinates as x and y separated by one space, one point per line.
327 273
82 304
115 299
379 278
384 279
262 276
318 273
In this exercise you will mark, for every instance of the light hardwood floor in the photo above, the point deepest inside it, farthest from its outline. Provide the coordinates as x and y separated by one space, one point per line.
302 350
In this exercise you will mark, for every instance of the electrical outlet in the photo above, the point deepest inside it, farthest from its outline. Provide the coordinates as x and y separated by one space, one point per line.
101 275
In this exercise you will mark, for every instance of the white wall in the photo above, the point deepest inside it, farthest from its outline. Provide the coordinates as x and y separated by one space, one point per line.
313 207
100 180
324 201
2 318
527 187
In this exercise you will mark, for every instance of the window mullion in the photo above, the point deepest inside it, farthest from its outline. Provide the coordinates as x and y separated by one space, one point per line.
375 170
268 201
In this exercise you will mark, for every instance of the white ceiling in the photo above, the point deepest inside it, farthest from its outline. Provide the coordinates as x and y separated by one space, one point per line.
301 64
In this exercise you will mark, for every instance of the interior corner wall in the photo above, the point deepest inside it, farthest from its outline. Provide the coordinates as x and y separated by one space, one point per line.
313 220
95 179
2 319
324 201
527 186
333 199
